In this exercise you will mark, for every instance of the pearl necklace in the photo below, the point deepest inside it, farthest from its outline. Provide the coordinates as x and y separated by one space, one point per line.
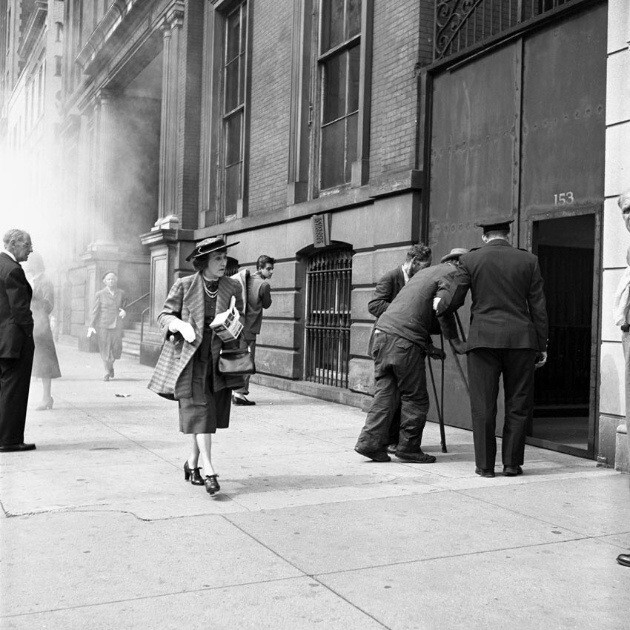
209 293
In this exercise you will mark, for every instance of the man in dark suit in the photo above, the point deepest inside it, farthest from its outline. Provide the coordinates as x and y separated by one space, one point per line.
402 341
16 341
387 288
508 336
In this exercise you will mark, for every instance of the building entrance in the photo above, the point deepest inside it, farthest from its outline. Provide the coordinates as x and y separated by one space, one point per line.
563 415
519 130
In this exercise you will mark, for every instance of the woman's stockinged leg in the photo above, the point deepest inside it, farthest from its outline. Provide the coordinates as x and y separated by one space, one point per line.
193 459
46 383
204 444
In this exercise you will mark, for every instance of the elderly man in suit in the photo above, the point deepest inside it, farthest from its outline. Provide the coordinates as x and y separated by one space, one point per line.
16 341
387 288
402 341
622 319
508 336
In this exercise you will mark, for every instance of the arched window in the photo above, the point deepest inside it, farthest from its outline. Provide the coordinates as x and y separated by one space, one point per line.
328 294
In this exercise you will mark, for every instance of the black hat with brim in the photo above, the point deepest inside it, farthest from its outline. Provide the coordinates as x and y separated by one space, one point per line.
209 245
495 224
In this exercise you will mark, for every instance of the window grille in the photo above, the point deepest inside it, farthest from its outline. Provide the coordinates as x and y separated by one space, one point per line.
460 24
328 291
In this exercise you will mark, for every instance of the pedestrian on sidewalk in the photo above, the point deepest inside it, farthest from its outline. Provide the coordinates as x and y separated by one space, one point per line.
107 321
257 296
621 310
402 342
187 370
508 336
387 288
45 362
16 341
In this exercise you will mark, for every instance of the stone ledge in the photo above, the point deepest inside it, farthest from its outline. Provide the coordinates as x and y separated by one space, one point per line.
306 388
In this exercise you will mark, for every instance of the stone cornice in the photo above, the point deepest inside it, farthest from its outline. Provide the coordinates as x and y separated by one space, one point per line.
113 29
163 237
34 28
104 32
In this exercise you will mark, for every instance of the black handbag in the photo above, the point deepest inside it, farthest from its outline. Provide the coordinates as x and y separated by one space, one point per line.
236 362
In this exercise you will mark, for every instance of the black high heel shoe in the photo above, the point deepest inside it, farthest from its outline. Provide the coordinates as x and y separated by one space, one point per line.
193 474
212 485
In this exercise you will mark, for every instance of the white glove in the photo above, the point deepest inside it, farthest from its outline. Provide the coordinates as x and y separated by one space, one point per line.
541 359
91 331
436 301
186 330
121 313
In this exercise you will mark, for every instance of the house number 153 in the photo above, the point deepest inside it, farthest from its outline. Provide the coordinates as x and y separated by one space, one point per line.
562 198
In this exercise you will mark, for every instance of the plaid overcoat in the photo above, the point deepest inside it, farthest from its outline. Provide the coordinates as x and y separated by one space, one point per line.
172 376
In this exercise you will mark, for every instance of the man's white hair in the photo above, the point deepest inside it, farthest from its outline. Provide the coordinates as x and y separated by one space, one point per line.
15 235
624 200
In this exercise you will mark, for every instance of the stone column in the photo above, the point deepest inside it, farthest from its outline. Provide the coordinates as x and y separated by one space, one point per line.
169 151
102 154
172 236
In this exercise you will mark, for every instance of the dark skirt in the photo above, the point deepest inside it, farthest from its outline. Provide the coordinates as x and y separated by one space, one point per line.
207 410
45 362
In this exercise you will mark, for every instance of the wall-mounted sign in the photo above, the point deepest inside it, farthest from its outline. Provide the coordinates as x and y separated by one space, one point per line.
321 230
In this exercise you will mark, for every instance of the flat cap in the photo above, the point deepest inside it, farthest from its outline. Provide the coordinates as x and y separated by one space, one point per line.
495 223
455 253
209 245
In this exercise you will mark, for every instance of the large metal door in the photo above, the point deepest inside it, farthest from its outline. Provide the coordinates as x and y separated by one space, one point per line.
474 151
563 132
518 131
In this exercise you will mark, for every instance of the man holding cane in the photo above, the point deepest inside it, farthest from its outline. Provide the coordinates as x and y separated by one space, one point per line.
402 341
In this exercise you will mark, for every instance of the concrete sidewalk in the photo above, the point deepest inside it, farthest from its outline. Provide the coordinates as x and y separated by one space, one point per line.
99 529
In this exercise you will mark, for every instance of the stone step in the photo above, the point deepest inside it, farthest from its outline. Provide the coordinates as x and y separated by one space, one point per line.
150 336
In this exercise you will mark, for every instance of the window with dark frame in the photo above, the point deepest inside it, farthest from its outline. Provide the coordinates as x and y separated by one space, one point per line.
233 111
339 62
8 31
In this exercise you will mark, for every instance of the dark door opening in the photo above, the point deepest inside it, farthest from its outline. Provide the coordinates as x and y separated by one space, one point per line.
562 412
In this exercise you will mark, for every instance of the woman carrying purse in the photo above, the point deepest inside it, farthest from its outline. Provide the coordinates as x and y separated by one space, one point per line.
188 367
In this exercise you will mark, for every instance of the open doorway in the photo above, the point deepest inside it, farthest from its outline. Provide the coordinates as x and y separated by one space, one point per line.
563 415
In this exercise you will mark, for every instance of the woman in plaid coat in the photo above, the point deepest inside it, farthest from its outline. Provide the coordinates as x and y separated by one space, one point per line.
187 370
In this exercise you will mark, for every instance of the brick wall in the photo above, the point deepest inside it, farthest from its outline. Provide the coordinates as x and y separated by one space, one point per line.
269 105
394 86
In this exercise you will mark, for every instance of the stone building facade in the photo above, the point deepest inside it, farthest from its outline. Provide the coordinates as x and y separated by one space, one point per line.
332 134
30 89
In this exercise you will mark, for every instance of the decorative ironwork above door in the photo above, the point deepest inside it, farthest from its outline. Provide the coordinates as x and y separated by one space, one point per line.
462 24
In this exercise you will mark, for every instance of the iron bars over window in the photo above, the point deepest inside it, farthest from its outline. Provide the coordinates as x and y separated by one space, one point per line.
460 24
328 290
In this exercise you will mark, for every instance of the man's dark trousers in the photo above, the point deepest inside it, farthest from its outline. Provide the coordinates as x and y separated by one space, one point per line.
485 366
399 369
15 382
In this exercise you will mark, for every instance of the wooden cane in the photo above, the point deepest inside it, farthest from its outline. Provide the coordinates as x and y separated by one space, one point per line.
438 407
